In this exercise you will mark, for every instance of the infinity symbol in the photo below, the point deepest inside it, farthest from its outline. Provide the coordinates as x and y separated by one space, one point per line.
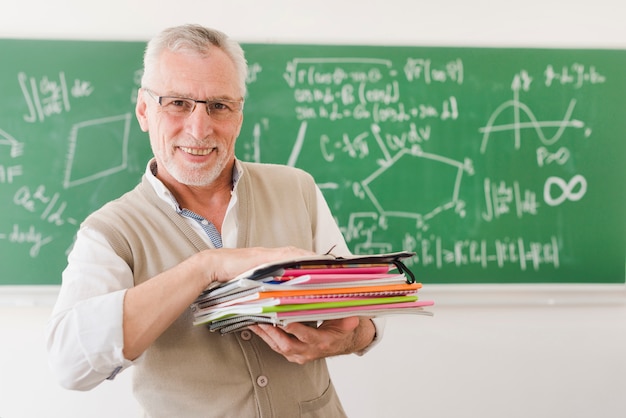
567 189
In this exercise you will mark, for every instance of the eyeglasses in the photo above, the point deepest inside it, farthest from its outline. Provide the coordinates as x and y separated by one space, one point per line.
184 106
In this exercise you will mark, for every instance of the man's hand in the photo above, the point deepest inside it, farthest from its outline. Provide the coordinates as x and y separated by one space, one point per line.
300 343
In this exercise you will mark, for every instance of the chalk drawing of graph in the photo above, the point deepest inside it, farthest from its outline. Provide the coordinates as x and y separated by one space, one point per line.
532 123
421 205
97 148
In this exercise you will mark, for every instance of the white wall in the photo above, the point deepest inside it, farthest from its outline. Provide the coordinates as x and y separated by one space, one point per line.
489 351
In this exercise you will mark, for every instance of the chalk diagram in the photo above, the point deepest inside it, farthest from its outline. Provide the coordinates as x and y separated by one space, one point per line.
17 148
573 189
449 173
105 154
522 82
423 203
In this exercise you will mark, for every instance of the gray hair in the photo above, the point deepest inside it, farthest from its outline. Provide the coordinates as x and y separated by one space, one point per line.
197 39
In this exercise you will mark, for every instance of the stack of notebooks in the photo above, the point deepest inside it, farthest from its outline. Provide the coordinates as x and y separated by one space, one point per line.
310 290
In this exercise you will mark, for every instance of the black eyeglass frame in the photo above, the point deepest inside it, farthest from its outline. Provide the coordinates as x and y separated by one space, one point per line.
159 100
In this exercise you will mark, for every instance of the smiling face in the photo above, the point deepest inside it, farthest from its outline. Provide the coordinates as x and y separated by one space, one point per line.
194 150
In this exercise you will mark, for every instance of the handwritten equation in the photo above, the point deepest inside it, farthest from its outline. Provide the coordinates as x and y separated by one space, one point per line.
373 94
49 96
518 252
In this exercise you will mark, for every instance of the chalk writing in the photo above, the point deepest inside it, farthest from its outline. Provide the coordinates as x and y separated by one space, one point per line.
46 96
518 251
499 197
576 75
424 69
487 162
9 173
35 200
392 126
16 148
545 157
28 236
572 190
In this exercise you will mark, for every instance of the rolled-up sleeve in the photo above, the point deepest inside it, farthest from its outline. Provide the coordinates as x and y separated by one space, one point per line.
84 336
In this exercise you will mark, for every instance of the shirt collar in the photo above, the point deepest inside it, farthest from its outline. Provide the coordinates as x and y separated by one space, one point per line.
163 192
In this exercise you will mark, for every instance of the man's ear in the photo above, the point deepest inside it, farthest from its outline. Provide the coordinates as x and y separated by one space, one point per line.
140 111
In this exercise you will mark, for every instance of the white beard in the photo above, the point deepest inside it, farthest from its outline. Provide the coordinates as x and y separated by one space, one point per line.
198 176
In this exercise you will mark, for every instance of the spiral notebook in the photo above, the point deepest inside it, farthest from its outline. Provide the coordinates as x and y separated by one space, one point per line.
311 289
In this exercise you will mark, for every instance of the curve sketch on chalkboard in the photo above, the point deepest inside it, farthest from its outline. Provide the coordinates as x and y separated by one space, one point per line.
517 125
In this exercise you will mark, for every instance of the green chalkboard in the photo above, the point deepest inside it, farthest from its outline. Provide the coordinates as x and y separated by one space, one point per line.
493 165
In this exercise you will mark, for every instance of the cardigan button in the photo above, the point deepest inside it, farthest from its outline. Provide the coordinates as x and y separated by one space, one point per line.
246 335
262 381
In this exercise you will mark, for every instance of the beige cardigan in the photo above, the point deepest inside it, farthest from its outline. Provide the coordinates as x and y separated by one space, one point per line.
189 371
